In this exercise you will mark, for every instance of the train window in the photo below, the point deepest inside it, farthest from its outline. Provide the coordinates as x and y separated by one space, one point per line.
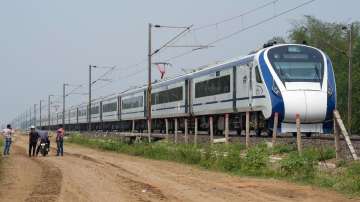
297 63
171 95
82 112
257 75
73 114
110 107
133 102
214 86
95 110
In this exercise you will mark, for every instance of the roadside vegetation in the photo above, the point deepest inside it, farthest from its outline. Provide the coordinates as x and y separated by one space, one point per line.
257 161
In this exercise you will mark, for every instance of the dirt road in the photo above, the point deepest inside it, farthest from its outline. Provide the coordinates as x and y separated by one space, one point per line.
89 175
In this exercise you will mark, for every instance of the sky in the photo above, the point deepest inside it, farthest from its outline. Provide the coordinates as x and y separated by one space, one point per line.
44 44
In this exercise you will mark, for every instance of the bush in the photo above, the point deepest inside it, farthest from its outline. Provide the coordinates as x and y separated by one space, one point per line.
231 161
256 160
350 180
298 166
326 154
283 148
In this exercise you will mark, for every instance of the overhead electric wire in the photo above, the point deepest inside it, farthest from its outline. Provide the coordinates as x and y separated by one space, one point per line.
243 29
228 19
237 16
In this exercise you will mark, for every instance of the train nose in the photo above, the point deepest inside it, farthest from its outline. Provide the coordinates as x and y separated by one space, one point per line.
310 105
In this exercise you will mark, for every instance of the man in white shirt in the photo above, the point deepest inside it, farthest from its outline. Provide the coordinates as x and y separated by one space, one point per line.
7 133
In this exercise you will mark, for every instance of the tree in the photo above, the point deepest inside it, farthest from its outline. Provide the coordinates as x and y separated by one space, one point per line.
333 40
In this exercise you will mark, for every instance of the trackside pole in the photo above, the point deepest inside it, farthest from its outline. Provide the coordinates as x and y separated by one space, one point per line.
226 128
298 133
211 130
167 129
247 130
337 140
276 119
176 131
196 131
186 131
133 126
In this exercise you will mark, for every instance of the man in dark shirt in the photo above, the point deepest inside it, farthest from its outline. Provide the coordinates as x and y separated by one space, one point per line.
33 139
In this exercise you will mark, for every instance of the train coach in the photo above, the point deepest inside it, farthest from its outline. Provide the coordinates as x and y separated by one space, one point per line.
288 79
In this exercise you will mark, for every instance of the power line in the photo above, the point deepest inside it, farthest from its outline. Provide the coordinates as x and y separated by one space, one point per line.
243 29
226 20
237 16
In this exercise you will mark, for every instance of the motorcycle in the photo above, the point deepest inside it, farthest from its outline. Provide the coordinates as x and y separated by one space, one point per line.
44 148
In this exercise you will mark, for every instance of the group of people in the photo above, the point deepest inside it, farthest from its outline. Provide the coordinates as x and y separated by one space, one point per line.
35 137
42 137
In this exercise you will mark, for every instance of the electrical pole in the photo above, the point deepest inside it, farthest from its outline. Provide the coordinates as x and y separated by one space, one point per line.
35 115
30 121
63 113
40 113
49 105
149 85
89 104
350 79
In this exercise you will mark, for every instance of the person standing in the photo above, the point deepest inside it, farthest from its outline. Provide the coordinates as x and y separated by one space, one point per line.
60 141
7 132
33 139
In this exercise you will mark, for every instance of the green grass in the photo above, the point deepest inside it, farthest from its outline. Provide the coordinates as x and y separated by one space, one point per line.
235 159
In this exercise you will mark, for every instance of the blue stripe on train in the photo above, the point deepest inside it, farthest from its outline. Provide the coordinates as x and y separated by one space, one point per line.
331 100
277 102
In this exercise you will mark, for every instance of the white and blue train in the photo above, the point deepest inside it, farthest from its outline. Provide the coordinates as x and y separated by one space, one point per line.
289 79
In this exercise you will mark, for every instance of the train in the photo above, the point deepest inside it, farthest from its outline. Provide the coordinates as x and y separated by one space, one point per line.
288 79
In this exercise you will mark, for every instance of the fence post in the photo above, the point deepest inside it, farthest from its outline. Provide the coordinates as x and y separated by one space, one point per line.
345 134
186 131
276 119
337 140
167 129
211 130
196 131
176 131
226 128
149 131
133 126
298 133
247 131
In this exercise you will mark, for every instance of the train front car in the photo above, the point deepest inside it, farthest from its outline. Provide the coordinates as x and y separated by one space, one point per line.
300 80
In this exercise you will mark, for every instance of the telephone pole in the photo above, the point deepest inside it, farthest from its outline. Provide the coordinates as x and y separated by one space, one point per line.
63 111
30 121
149 85
349 107
40 114
35 115
49 108
89 104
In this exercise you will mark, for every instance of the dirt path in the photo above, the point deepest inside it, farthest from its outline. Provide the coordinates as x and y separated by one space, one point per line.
89 175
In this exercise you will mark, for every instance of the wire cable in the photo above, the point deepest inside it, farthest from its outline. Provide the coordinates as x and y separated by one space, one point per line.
243 29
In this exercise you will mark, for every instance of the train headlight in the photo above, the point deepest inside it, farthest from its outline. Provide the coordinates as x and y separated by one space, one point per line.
276 89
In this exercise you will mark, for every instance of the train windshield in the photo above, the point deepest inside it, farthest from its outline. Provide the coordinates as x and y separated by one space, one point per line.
297 63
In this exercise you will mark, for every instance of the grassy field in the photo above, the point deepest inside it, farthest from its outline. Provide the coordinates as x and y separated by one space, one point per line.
235 159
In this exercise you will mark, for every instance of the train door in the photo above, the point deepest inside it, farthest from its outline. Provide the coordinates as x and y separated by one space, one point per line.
258 90
243 85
